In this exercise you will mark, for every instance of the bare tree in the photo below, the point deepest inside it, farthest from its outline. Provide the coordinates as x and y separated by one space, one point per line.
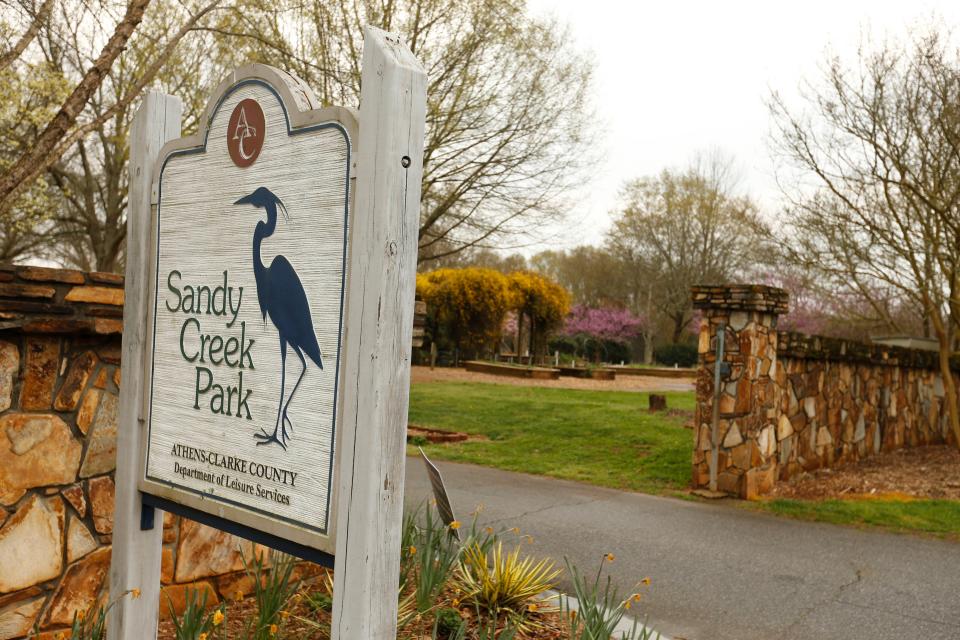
508 121
881 142
683 228
77 26
36 20
88 228
74 210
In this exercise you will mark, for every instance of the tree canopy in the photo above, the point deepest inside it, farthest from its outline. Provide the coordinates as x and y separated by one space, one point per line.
682 228
509 122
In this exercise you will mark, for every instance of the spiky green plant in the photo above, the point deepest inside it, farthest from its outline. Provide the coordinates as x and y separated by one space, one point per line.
197 620
506 582
599 611
272 591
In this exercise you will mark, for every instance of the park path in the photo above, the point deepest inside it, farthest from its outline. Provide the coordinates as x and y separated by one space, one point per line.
621 383
723 573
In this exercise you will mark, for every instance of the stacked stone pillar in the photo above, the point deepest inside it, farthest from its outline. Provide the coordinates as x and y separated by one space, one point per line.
749 398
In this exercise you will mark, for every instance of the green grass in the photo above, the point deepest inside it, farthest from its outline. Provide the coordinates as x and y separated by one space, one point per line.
605 438
938 517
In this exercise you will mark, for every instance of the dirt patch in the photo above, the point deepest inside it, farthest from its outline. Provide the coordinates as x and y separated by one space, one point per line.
434 435
923 472
622 383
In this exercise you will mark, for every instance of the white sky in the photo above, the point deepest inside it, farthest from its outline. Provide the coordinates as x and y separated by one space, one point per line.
677 78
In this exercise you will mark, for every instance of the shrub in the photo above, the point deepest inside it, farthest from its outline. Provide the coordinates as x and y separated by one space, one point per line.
467 306
543 303
678 353
507 582
449 620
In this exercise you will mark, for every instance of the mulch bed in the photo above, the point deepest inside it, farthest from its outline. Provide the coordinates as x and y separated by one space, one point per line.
923 472
237 614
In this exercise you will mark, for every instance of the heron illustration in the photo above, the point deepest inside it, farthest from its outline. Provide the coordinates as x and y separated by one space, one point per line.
281 295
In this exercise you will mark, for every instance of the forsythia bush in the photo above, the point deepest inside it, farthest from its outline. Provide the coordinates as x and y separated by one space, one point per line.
543 303
468 304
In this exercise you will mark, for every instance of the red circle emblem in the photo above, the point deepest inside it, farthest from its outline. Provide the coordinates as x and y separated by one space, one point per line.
245 132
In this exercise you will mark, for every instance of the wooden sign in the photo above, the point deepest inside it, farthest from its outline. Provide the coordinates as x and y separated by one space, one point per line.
247 294
267 330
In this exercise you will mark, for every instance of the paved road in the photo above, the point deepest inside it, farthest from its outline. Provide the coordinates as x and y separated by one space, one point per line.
722 573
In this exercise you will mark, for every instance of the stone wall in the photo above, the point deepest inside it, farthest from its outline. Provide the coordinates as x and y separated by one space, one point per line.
59 384
792 403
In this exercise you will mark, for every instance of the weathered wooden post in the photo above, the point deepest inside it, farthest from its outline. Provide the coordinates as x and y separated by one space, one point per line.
279 229
135 563
384 259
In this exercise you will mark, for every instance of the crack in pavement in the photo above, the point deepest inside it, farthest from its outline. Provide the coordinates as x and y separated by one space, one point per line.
949 625
531 512
836 598
833 597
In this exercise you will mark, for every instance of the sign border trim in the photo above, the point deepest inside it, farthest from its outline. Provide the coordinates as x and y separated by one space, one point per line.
338 118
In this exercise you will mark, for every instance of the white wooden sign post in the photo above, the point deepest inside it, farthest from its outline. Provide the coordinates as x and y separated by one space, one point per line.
267 335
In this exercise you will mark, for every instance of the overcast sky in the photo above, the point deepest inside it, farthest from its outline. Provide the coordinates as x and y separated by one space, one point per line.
676 78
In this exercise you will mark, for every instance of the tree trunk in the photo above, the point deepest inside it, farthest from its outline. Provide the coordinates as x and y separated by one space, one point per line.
949 384
648 333
647 347
678 324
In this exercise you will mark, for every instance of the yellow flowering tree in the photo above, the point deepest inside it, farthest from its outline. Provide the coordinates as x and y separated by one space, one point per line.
542 306
466 307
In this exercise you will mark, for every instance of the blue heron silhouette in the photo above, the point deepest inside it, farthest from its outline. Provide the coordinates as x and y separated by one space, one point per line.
281 295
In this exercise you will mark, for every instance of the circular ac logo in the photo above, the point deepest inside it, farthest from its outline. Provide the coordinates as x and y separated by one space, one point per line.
245 132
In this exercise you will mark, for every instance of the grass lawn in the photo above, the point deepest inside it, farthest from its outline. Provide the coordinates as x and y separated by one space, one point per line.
602 437
937 517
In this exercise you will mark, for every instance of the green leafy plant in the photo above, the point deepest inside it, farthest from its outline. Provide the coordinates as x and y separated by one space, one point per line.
318 601
197 621
436 555
418 441
506 583
600 610
448 620
272 591
457 633
487 628
89 627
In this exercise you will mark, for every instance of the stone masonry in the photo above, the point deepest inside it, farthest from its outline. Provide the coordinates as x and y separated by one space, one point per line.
59 384
793 403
